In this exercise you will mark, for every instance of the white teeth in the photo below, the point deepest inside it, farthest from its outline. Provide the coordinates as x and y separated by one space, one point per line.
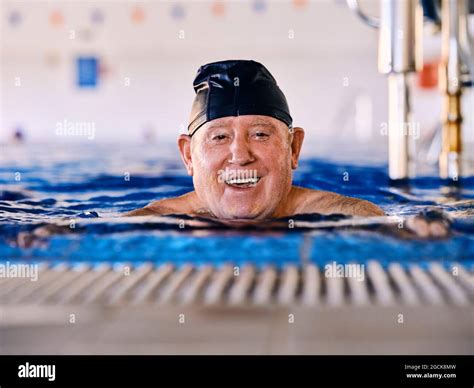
242 181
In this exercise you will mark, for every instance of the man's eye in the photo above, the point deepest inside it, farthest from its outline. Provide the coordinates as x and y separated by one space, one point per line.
219 137
261 135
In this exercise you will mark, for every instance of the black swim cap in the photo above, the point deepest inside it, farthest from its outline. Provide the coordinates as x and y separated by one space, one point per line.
235 88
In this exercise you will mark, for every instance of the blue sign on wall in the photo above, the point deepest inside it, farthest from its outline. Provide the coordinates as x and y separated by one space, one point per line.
87 72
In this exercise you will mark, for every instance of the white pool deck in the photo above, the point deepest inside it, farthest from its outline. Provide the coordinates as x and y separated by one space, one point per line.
207 310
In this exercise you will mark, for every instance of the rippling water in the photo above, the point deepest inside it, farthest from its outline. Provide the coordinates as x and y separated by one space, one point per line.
56 185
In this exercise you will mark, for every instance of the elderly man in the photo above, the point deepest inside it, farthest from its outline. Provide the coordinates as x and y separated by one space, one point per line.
241 150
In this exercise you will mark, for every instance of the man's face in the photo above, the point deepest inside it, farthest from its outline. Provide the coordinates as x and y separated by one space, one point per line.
242 166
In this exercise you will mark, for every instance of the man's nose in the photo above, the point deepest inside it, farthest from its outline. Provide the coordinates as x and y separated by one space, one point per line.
240 152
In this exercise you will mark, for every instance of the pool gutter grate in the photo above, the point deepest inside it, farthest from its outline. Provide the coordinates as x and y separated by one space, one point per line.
207 285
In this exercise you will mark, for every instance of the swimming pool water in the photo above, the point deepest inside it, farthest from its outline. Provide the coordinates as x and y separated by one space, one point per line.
42 184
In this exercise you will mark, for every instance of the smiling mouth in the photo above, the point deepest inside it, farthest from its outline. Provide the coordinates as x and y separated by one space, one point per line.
243 182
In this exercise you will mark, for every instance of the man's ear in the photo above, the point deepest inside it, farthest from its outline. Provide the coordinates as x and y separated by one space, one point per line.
184 145
297 142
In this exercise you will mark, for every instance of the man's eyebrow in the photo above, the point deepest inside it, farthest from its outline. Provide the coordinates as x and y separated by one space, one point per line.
261 123
253 124
217 125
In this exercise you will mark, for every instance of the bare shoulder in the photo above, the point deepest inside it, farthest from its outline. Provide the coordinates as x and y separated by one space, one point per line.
326 202
183 204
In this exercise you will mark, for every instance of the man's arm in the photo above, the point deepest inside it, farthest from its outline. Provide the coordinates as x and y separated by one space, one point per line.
430 225
149 211
325 202
357 207
184 204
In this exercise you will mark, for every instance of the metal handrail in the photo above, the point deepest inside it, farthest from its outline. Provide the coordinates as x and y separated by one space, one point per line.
367 19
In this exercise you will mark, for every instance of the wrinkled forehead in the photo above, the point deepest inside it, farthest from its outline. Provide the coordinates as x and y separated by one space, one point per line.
243 122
